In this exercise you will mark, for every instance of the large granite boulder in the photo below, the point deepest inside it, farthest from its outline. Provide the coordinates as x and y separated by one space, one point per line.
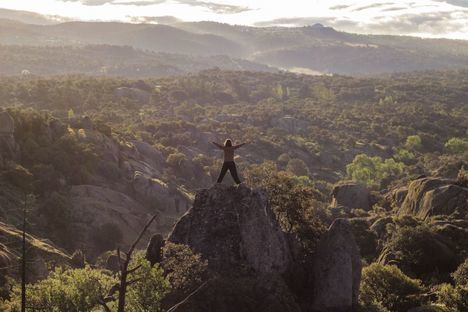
351 195
95 206
429 197
337 269
255 266
234 227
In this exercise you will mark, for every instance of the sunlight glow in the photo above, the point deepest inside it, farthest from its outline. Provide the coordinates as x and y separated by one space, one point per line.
428 18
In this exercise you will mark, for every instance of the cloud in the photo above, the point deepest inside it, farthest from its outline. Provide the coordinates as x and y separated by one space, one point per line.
166 20
215 7
372 6
434 23
461 3
392 9
339 7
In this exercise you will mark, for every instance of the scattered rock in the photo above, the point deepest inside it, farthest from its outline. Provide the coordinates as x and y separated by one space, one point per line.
234 227
434 196
351 195
337 269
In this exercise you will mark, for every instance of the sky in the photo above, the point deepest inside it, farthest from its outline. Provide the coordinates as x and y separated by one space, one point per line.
425 18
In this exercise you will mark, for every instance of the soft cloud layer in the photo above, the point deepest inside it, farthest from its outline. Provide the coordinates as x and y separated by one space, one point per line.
428 18
212 6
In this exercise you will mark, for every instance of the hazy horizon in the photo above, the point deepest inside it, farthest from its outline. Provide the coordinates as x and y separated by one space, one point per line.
427 18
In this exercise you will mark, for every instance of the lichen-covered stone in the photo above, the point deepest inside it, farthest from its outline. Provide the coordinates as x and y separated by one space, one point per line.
337 269
234 227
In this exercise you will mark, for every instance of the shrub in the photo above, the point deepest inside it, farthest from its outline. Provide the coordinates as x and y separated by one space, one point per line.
387 286
148 292
298 206
185 269
457 145
413 142
454 298
421 250
461 274
73 290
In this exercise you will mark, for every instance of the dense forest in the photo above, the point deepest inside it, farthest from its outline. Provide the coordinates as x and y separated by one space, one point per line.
89 159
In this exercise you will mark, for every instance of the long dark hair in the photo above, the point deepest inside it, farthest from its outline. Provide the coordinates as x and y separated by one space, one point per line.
228 143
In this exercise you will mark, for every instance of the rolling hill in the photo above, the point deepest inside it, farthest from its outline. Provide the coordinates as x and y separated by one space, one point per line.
314 48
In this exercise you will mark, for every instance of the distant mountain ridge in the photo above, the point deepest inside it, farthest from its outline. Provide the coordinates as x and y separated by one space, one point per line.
315 48
110 60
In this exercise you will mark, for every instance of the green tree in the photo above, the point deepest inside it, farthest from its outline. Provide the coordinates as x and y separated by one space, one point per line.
387 286
372 171
147 293
413 142
73 290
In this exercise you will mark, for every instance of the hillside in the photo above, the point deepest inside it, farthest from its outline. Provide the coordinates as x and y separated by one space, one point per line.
106 60
100 155
316 48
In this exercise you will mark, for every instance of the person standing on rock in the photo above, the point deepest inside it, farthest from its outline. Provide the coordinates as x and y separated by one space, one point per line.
229 163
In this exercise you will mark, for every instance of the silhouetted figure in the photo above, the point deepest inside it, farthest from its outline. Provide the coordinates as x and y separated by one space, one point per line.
229 163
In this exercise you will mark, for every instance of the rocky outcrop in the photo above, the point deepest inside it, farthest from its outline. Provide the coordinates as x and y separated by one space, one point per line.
337 269
234 227
396 197
351 195
95 206
434 196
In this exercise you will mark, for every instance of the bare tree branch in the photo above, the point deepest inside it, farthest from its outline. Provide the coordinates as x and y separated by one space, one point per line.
175 307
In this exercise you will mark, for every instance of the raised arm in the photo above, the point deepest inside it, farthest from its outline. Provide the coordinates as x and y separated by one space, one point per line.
239 145
217 145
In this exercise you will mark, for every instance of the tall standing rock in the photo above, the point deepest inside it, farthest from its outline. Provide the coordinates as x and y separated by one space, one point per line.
337 269
234 227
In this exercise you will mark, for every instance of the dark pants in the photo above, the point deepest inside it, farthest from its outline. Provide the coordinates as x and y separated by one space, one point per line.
231 166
